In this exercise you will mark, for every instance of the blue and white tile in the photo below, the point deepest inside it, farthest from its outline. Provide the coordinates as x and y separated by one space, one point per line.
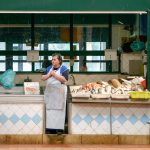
20 125
82 125
89 118
104 128
19 112
130 121
31 125
20 121
94 125
8 112
8 125
26 130
88 130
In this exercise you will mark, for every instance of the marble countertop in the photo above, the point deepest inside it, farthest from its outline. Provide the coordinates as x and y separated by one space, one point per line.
21 98
110 101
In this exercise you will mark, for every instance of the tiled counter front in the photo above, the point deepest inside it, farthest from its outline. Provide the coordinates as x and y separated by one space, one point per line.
130 119
89 118
21 114
110 117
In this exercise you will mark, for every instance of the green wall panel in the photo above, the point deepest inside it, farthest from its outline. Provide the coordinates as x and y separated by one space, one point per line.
75 5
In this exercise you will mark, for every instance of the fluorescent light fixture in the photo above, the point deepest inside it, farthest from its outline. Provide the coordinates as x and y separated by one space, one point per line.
77 12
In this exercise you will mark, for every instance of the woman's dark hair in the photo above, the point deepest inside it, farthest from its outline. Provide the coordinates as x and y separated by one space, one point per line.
59 57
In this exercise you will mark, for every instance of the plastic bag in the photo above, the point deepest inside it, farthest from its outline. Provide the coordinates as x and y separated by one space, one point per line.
137 46
7 79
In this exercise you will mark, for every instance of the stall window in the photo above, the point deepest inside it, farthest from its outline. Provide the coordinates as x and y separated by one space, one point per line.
80 38
2 58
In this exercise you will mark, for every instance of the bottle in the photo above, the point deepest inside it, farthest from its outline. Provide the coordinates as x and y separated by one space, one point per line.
27 79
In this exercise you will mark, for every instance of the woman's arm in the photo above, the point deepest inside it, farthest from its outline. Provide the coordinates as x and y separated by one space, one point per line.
58 77
45 77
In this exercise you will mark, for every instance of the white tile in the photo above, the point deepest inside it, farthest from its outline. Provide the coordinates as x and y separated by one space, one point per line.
25 108
14 107
82 113
104 128
31 125
13 130
139 125
20 125
36 130
115 112
36 107
3 107
40 113
82 125
94 124
8 125
76 130
25 130
8 113
31 113
116 126
3 130
88 130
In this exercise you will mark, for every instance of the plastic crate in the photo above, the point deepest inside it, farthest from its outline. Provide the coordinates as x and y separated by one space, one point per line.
139 95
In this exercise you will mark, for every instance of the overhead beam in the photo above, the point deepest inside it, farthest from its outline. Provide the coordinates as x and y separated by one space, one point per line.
74 5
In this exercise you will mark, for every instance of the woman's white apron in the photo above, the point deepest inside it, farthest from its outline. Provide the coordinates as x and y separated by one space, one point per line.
55 100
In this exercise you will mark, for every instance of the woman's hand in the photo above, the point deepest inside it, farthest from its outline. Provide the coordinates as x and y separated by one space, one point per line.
58 77
55 75
45 77
52 73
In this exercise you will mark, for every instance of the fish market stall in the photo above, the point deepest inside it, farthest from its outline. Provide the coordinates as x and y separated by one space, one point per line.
119 107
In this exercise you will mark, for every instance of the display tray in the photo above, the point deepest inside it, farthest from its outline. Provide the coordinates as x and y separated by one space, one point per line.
74 87
119 96
80 95
100 96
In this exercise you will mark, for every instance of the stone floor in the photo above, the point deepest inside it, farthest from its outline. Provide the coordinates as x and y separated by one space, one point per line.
74 147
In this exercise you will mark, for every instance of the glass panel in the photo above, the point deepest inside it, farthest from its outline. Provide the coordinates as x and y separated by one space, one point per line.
90 67
15 28
49 57
39 47
76 67
125 29
2 46
20 58
2 66
99 67
67 64
2 57
25 66
37 66
95 46
91 64
41 57
53 31
91 31
59 46
19 47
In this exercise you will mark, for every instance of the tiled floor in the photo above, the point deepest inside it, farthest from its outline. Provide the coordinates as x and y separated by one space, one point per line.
74 147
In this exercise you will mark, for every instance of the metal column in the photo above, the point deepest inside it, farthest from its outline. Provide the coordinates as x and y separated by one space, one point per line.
148 49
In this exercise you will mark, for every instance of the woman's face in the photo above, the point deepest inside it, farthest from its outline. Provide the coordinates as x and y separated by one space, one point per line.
55 61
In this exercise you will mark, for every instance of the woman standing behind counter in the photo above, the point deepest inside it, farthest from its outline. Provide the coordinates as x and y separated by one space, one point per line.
55 94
